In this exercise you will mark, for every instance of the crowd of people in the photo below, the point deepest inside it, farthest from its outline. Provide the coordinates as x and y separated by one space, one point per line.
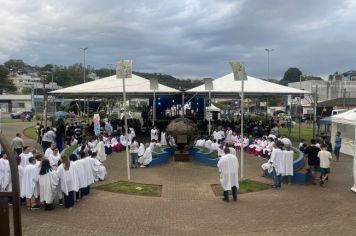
44 178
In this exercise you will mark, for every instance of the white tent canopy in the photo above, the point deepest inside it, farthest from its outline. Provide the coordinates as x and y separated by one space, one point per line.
213 108
110 86
346 124
227 86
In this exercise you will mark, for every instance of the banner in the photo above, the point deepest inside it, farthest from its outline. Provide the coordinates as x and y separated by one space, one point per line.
96 120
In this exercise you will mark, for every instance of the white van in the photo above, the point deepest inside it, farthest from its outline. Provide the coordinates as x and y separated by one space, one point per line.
338 111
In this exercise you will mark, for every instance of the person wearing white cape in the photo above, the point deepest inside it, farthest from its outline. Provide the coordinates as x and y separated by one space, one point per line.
29 183
163 139
229 174
146 158
49 181
68 181
277 162
100 148
288 163
5 172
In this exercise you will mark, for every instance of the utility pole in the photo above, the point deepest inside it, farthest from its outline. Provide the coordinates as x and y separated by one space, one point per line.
315 106
268 50
84 74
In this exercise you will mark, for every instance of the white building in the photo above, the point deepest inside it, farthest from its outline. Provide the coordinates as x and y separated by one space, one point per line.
22 81
14 102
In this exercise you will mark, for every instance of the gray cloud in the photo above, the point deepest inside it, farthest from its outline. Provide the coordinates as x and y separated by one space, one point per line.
184 38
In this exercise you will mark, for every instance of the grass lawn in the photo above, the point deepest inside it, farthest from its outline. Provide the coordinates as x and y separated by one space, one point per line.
246 186
70 150
305 133
212 155
132 188
31 133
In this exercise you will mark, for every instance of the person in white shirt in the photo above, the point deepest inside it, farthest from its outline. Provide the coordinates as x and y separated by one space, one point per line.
154 134
229 174
325 158
25 156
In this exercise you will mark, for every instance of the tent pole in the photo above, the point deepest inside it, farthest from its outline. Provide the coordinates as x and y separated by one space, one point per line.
242 128
209 117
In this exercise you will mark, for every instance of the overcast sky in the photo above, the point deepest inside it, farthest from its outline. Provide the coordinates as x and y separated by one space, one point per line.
186 38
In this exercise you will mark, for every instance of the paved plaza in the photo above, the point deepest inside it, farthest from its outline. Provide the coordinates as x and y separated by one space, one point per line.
188 206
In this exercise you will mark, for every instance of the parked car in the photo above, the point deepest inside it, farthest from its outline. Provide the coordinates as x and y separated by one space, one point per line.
17 115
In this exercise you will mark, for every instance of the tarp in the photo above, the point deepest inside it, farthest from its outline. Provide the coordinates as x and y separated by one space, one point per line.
111 86
227 86
348 117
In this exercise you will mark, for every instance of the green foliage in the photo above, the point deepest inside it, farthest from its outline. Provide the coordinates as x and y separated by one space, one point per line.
31 133
69 151
291 75
132 188
168 80
16 65
246 186
6 83
26 91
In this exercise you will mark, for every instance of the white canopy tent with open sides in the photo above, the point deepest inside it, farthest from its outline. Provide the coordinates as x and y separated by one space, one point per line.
346 124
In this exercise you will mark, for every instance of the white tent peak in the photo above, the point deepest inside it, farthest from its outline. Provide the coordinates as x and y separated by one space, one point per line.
226 84
112 86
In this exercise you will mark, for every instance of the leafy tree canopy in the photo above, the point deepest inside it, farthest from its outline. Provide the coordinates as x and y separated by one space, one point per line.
6 84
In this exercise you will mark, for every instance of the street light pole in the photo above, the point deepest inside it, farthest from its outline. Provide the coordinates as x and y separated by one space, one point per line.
268 50
240 74
84 73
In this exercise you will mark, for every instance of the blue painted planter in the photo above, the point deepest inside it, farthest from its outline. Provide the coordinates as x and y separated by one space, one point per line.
162 157
203 157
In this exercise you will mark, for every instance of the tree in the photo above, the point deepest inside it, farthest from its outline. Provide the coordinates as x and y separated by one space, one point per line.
6 84
291 75
16 65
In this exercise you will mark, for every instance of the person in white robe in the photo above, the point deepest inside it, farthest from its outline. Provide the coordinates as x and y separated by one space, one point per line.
141 150
49 150
288 163
277 162
228 135
5 172
101 156
229 174
29 183
54 158
68 181
146 158
99 170
208 144
123 140
48 181
154 134
92 144
25 156
163 139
